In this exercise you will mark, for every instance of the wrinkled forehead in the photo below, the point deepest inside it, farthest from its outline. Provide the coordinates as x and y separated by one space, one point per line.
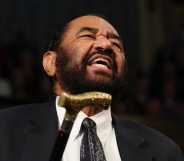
91 21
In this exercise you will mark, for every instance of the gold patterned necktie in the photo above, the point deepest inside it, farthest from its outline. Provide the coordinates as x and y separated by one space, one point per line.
91 147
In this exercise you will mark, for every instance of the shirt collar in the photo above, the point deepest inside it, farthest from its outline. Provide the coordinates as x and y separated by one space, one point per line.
103 122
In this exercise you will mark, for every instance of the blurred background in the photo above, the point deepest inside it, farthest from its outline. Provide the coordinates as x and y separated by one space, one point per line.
153 33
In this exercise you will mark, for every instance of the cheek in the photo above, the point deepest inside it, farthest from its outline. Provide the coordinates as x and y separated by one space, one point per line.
120 60
80 50
76 52
72 54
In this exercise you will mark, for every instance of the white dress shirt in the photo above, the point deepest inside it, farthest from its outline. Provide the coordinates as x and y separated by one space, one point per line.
105 132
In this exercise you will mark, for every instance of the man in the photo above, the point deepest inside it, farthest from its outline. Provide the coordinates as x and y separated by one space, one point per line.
87 56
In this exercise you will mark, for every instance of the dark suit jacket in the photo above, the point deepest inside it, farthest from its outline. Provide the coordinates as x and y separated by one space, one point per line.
27 133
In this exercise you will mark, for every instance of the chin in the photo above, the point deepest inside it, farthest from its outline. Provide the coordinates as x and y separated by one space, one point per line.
100 84
99 81
80 82
99 78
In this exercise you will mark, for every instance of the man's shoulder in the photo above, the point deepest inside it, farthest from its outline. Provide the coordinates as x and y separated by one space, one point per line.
141 129
156 141
23 110
137 135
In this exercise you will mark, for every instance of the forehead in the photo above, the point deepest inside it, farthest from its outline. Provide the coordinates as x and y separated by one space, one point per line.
91 21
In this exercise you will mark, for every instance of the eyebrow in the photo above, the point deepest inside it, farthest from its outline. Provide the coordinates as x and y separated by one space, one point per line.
94 30
114 36
88 29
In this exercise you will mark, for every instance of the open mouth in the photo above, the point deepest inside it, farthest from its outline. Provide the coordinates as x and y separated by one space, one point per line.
101 60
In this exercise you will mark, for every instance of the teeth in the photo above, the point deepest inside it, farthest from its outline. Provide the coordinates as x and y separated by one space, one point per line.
101 59
103 62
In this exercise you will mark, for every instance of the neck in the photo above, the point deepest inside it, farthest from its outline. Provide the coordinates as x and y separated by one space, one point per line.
58 89
92 110
90 103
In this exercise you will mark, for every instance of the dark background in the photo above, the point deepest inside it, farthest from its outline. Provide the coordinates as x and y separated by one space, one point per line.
153 33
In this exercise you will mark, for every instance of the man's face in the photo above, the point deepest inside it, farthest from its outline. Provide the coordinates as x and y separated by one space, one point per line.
91 56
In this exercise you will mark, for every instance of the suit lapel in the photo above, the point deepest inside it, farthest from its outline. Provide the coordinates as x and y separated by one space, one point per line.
132 147
40 132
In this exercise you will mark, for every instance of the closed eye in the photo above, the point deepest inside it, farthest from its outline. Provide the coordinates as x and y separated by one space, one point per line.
117 45
87 36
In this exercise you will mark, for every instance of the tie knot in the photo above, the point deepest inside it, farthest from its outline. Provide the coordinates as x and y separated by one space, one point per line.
88 124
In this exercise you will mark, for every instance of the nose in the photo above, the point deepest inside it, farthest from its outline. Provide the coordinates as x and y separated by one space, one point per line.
102 43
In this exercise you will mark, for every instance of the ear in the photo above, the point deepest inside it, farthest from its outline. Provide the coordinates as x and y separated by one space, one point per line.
49 62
